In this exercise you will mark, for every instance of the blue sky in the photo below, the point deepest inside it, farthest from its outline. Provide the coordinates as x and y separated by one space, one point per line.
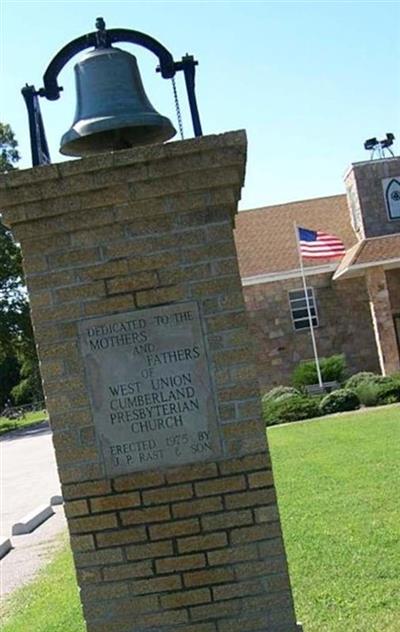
309 81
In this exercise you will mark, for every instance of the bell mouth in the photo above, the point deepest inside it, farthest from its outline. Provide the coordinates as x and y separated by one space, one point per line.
99 135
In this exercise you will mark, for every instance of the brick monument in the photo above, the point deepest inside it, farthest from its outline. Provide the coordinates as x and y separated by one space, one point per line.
151 388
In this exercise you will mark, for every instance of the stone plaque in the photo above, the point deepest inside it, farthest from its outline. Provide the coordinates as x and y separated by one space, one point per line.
150 388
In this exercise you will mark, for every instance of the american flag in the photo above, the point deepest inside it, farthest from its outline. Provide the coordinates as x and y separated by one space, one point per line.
314 244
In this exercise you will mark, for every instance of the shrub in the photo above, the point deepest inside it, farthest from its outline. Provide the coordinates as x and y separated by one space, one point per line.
389 393
364 377
291 408
385 391
396 377
275 395
305 373
333 369
368 393
279 392
339 401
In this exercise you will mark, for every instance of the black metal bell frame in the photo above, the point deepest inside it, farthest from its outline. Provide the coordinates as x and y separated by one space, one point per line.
113 110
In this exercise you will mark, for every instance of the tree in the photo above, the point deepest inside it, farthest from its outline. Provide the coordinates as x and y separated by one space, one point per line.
19 367
9 154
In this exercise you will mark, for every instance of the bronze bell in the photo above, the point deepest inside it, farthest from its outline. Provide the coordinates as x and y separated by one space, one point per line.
113 111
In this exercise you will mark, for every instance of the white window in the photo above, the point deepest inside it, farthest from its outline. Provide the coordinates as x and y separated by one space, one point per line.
298 309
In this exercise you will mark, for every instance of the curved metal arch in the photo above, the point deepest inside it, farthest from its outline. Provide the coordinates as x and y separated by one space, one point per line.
101 38
51 88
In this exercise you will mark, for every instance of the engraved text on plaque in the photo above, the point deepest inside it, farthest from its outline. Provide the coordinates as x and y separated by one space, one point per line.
150 388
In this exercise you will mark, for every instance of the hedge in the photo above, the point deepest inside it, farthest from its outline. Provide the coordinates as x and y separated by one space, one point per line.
339 401
290 409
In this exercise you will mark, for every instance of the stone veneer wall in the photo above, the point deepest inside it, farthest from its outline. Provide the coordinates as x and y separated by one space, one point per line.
366 199
393 283
196 548
382 319
344 326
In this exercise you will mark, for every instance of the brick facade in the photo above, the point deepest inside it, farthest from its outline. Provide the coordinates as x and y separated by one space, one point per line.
196 548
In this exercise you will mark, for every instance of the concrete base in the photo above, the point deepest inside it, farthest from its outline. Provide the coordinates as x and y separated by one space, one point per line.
5 546
32 520
56 500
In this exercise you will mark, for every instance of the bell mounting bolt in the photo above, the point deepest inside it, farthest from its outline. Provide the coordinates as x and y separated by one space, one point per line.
101 35
102 39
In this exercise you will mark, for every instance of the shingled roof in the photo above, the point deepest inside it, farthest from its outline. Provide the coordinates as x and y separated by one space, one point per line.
265 237
383 251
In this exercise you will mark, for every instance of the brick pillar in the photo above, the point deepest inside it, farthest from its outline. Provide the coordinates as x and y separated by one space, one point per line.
150 385
382 318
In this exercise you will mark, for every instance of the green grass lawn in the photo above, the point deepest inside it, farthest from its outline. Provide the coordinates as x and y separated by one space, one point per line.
338 489
30 419
48 604
337 481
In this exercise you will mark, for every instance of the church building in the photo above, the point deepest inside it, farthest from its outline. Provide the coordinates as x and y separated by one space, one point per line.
354 301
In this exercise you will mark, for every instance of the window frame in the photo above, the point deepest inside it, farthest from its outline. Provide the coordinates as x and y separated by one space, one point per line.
313 307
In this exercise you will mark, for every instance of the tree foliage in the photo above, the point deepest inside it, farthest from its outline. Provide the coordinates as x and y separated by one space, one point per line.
19 368
9 154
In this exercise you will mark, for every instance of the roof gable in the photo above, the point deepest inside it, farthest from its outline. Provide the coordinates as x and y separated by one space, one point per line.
265 237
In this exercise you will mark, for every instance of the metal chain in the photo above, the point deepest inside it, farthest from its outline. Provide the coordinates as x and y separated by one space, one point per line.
178 109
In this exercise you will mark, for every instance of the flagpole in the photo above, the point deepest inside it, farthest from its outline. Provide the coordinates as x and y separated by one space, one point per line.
314 344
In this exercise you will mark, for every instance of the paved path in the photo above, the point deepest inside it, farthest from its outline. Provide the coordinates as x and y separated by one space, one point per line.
31 552
28 479
28 473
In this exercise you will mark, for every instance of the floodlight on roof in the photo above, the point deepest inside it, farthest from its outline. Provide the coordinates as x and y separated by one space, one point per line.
379 146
